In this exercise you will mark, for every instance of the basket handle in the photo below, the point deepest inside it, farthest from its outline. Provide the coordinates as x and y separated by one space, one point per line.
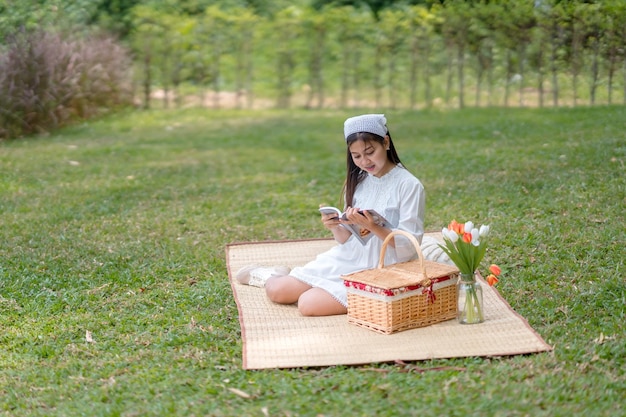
418 249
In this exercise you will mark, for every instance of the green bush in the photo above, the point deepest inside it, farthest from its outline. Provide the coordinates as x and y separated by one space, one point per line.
48 80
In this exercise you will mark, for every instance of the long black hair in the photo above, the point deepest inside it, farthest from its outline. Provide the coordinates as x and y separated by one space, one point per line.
354 174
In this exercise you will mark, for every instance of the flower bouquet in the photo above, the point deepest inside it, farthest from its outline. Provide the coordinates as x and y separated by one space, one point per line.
466 246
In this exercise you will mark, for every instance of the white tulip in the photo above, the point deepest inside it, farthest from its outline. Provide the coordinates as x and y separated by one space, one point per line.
475 236
450 235
484 230
468 227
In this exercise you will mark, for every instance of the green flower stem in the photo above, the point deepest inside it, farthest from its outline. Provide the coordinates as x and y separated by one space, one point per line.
472 311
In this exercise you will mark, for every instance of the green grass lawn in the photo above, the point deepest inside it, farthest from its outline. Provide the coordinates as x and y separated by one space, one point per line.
114 298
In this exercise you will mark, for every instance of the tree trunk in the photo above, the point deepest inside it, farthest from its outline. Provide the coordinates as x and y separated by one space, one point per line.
460 64
553 68
427 87
490 79
522 58
624 83
147 76
575 62
249 82
249 48
540 73
449 79
479 81
610 74
540 81
413 74
241 68
200 77
356 83
216 75
391 82
594 73
509 74
176 83
575 87
166 82
285 68
315 69
378 68
345 79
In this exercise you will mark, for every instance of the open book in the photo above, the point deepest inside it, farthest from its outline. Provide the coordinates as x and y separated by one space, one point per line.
361 234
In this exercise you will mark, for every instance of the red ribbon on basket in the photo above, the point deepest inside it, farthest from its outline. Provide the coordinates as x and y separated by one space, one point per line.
426 289
430 293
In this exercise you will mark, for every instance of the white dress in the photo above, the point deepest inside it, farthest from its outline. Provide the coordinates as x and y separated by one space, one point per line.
399 197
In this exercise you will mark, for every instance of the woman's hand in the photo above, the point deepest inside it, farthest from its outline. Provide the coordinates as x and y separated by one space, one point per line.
330 221
364 220
360 217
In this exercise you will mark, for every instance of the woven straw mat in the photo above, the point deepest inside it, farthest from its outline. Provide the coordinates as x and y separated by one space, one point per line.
277 336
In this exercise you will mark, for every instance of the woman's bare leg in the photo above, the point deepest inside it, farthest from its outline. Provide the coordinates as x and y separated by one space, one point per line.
311 301
317 302
285 289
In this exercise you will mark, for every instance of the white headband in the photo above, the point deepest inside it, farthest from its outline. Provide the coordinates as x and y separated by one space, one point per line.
371 123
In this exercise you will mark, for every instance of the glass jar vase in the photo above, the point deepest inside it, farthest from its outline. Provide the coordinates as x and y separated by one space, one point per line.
470 300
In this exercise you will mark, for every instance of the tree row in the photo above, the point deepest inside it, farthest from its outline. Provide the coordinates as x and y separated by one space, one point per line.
455 54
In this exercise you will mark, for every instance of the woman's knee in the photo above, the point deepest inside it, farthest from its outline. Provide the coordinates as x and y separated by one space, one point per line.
284 289
306 307
317 302
273 289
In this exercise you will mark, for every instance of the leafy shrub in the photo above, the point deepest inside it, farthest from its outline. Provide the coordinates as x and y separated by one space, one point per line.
48 80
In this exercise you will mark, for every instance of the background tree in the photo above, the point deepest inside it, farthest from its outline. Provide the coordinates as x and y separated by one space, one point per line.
375 6
181 43
287 28
505 46
316 33
357 51
613 48
147 33
480 45
243 24
394 32
351 29
421 33
594 23
454 27
215 34
556 32
33 15
112 15
518 26
537 61
540 52
574 48
168 54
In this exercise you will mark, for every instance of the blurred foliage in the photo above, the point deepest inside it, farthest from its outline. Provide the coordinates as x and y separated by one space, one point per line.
315 54
48 80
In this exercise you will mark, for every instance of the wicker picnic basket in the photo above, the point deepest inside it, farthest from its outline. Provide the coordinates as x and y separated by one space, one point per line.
402 296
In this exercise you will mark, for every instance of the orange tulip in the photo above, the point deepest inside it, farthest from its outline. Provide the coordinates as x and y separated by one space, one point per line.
495 269
467 237
457 227
492 279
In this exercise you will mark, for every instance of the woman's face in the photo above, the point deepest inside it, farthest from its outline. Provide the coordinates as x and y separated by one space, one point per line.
371 156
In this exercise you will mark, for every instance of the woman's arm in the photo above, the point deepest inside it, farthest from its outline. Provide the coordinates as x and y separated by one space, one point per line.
412 206
331 222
